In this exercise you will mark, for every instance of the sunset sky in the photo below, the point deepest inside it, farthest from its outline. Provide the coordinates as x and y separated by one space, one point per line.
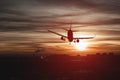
24 25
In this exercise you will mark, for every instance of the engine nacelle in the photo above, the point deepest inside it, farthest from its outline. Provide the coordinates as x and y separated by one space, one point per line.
63 38
77 40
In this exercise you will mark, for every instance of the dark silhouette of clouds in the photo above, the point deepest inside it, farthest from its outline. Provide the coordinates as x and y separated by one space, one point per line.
5 19
19 16
95 6
11 8
10 11
16 28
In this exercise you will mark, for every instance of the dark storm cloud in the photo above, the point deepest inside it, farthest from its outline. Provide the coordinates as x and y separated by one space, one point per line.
33 25
17 24
28 15
13 19
6 3
107 6
16 28
11 12
10 8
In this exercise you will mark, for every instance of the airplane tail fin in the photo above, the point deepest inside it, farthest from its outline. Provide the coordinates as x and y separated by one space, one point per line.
70 28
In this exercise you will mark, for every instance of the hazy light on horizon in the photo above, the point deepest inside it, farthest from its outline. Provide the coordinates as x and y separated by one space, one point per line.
24 25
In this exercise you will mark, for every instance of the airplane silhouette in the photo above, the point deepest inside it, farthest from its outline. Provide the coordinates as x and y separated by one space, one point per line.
70 36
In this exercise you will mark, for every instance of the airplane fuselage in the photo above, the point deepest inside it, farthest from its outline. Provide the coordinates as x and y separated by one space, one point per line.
70 35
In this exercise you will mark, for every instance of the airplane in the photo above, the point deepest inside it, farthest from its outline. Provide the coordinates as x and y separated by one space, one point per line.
70 36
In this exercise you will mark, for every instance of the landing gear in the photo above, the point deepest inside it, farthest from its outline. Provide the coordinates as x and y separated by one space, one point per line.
77 40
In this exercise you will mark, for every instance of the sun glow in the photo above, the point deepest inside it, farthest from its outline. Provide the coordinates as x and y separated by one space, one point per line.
81 46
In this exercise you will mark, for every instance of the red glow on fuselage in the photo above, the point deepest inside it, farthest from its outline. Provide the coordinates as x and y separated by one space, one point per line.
70 35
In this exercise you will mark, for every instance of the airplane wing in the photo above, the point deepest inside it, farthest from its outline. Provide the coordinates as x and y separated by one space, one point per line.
83 38
57 33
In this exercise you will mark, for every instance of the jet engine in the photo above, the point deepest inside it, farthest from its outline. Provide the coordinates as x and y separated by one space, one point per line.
63 38
77 40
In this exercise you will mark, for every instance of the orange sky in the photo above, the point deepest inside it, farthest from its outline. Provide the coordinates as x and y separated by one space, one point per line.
24 24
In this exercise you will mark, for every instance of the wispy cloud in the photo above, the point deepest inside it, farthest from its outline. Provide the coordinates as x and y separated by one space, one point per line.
36 16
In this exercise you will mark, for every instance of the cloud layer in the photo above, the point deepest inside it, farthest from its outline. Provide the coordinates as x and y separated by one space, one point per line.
34 17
